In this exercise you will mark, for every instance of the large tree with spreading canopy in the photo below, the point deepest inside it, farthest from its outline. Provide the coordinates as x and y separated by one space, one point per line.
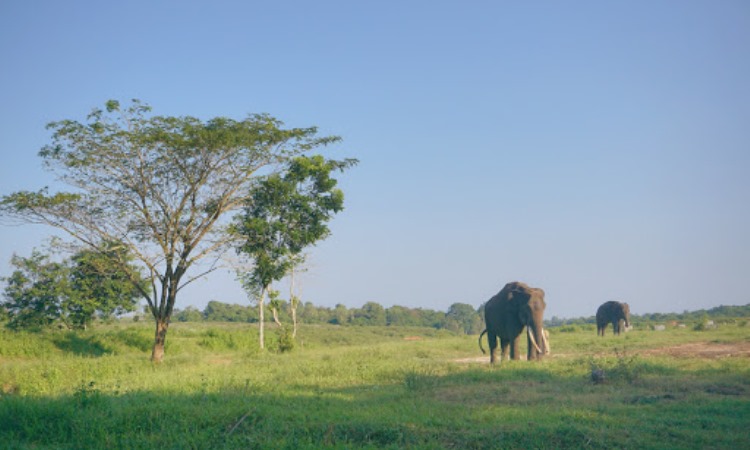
160 185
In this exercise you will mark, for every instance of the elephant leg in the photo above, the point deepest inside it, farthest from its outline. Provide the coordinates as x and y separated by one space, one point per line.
504 343
492 338
514 348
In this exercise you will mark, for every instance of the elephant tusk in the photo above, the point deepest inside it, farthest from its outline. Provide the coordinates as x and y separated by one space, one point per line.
533 341
545 341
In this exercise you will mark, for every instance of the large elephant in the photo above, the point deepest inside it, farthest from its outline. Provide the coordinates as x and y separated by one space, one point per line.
506 314
612 312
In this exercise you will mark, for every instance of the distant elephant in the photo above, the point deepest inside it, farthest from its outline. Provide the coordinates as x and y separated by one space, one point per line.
612 312
506 314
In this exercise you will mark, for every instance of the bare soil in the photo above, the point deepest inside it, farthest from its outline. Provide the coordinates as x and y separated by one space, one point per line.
708 350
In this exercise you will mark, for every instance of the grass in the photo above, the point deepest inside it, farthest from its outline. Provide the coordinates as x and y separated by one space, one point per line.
366 387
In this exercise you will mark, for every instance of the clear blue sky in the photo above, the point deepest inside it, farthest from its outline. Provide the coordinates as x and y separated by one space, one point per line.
599 150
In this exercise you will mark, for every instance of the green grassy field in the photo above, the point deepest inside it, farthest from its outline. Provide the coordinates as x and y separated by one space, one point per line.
370 387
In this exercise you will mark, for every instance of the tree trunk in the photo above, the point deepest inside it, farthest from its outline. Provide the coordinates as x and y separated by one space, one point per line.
261 318
294 319
276 317
293 303
157 354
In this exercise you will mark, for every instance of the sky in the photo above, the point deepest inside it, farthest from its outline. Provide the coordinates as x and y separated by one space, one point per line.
598 150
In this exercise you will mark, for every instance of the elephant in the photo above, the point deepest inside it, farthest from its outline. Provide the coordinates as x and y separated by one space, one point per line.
612 312
506 314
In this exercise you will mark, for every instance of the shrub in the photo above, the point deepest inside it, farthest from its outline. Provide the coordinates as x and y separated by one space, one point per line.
625 367
285 340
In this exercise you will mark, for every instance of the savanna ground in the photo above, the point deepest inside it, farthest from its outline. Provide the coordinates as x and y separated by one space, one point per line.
372 387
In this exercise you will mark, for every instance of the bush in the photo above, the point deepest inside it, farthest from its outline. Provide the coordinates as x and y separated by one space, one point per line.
285 340
625 367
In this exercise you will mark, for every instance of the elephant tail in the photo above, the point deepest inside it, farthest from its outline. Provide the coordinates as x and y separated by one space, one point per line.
480 341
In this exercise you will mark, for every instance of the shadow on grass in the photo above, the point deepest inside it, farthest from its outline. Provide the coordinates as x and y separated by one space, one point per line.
101 344
71 342
354 418
139 339
431 413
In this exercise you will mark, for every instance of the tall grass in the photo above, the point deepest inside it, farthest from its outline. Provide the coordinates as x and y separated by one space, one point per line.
365 387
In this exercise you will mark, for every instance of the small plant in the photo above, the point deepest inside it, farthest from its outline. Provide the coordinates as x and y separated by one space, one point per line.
285 340
625 367
418 380
87 395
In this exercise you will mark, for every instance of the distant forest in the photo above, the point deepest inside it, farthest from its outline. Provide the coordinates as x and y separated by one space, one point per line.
460 317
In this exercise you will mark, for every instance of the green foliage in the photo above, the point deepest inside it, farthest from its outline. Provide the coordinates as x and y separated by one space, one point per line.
222 312
627 367
41 292
35 291
287 212
104 282
285 340
459 318
464 318
371 313
189 314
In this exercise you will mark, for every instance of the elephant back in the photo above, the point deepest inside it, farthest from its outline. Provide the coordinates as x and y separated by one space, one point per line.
503 300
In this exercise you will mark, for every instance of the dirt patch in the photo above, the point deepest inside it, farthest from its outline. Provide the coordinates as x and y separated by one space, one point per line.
220 361
709 350
477 359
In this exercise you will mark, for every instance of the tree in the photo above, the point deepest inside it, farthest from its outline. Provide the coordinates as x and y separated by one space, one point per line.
464 317
402 316
189 314
42 291
371 313
285 213
221 312
160 185
340 315
99 287
35 291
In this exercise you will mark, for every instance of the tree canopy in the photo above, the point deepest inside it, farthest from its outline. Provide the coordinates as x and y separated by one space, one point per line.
73 292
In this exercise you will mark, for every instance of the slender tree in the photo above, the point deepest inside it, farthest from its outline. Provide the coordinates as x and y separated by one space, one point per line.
294 300
285 213
275 304
160 185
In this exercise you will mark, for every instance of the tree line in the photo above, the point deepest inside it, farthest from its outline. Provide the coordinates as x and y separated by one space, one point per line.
460 317
74 292
718 312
